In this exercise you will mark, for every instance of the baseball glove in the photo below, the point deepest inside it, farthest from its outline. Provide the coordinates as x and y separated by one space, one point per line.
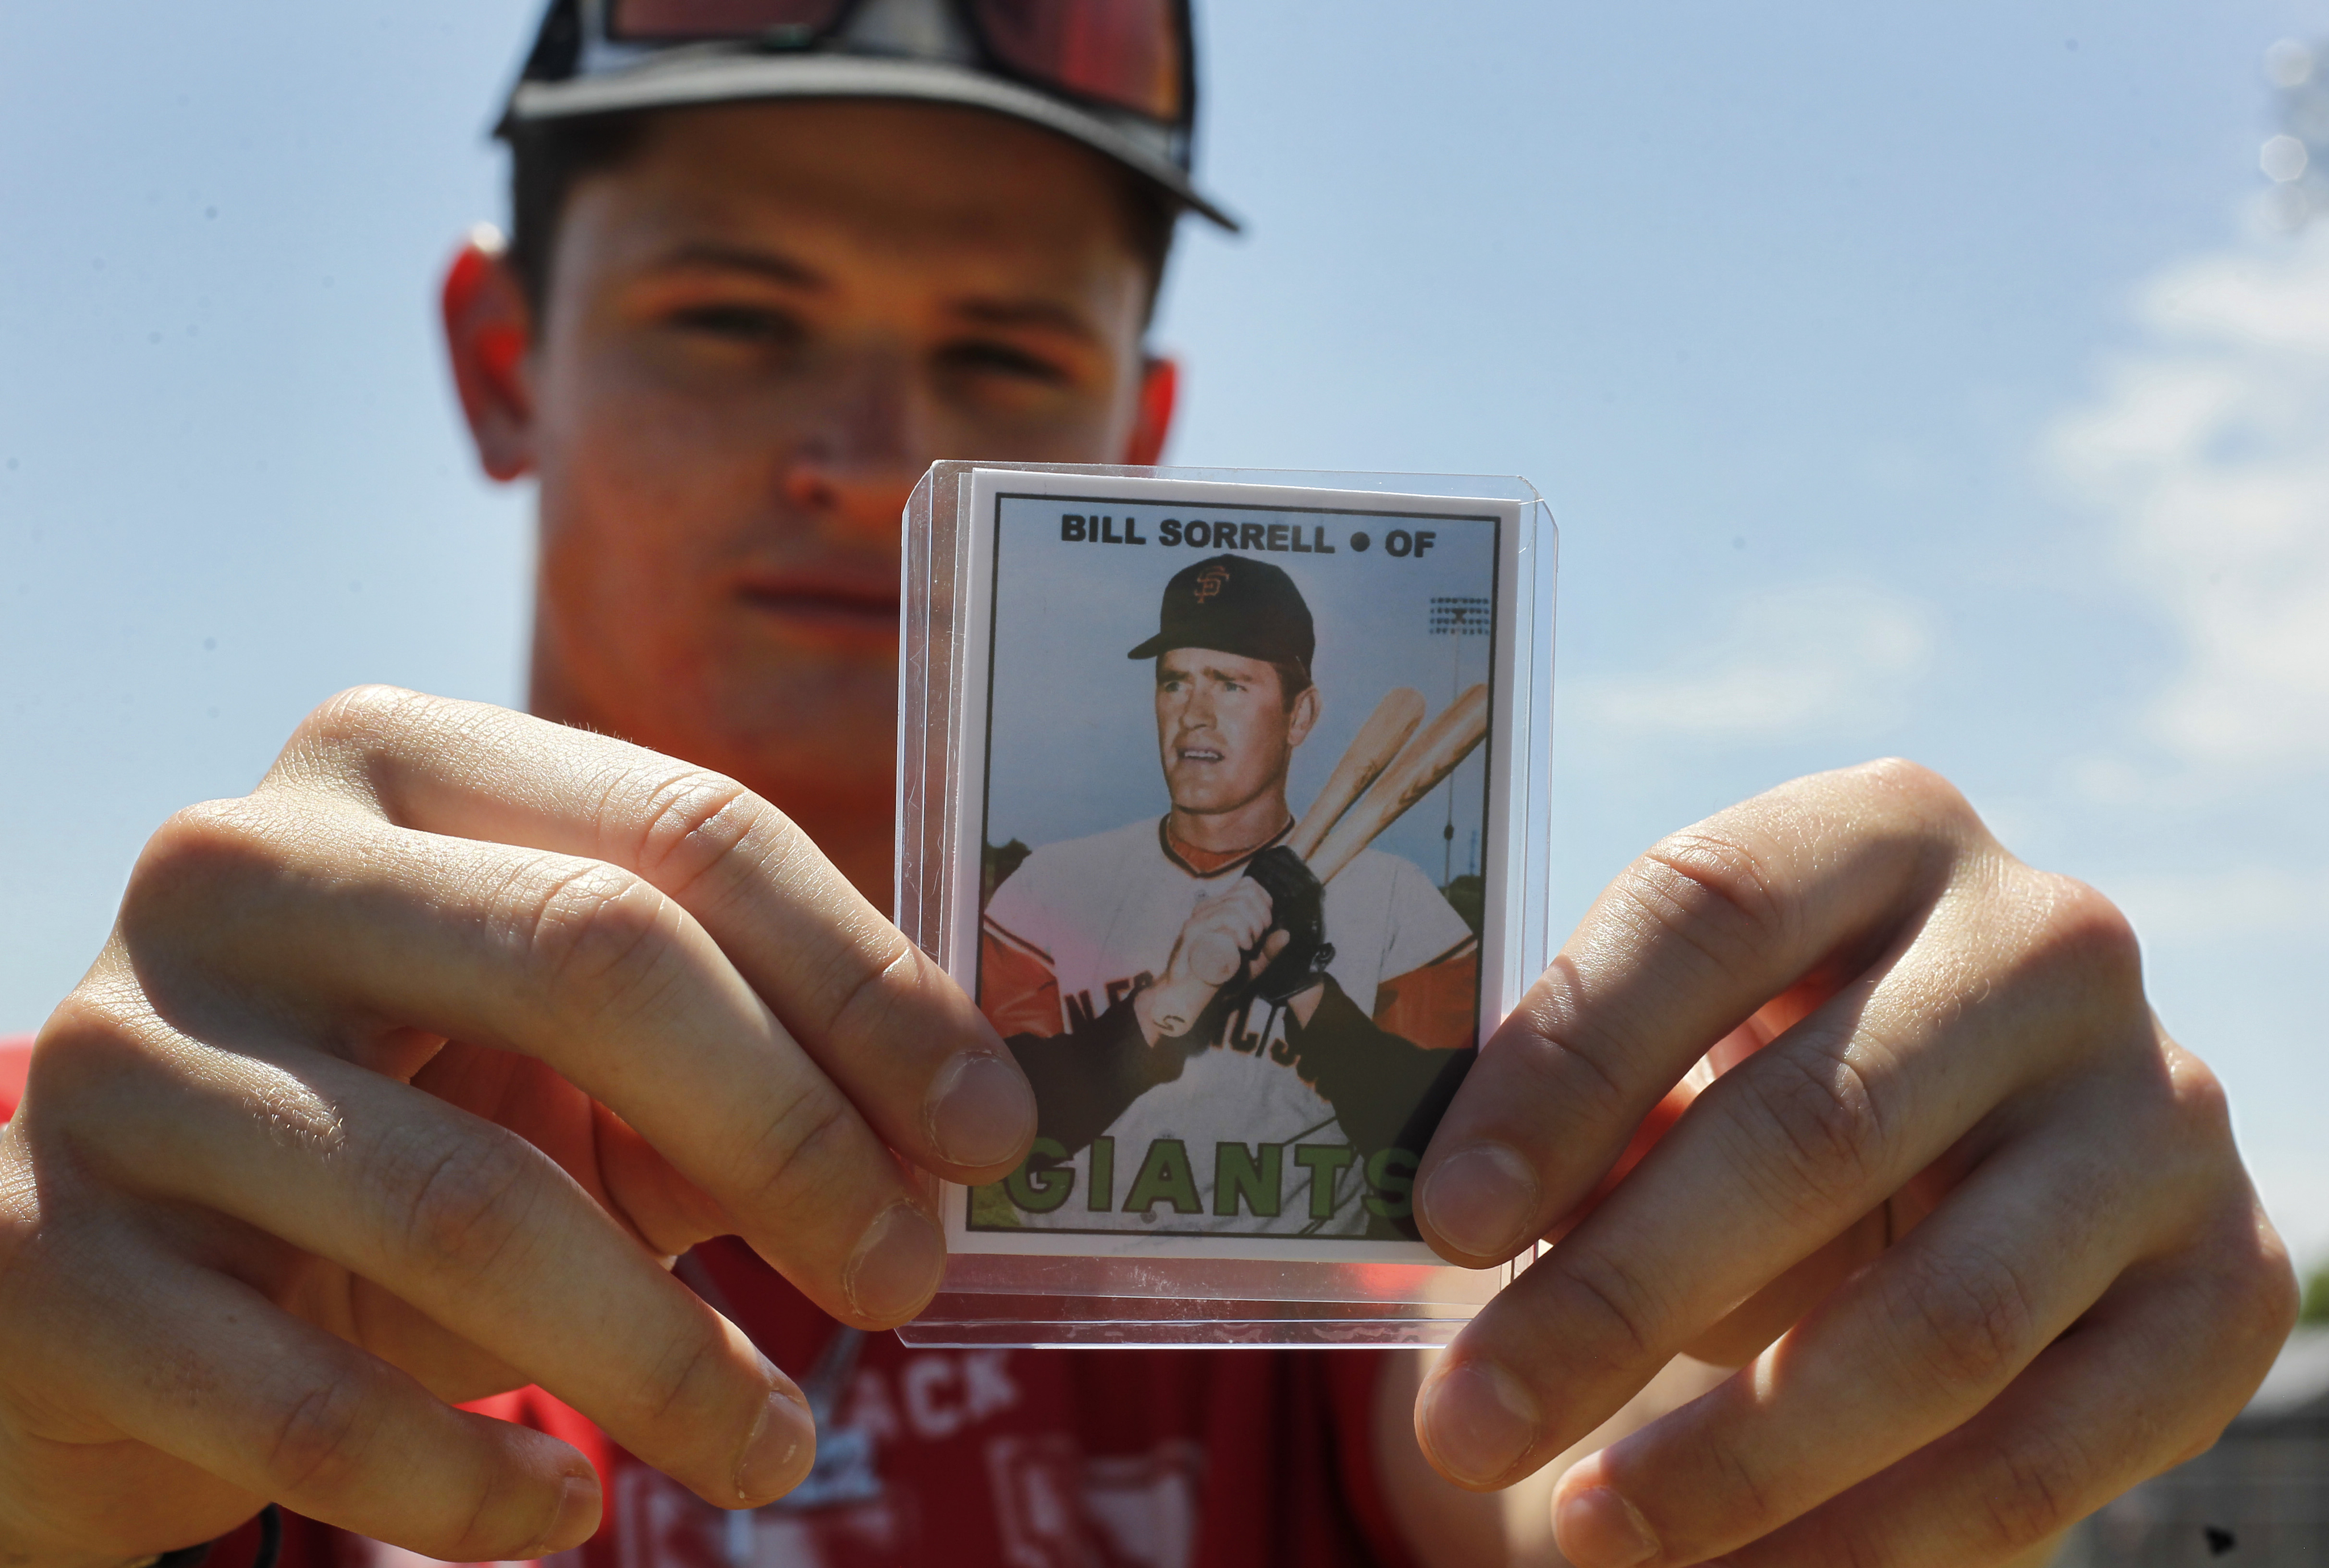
1297 904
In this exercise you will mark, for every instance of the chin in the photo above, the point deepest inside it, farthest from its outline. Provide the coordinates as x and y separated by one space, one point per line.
1206 803
828 731
829 746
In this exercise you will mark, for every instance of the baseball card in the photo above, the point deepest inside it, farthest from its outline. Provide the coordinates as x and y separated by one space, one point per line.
1231 829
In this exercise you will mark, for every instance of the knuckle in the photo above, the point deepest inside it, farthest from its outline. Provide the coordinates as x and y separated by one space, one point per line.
1931 797
343 748
2084 929
1818 1113
324 1439
463 1210
691 823
801 1159
2201 1108
1617 1306
594 936
1743 1490
2036 1480
486 1533
1554 1070
2273 1300
1969 1319
193 849
684 1389
356 718
2250 1298
496 1515
1712 891
98 1039
875 993
503 1516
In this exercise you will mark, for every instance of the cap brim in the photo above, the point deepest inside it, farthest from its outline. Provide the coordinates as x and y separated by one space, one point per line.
679 77
1165 642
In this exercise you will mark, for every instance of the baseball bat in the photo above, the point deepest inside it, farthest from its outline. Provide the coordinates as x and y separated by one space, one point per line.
1371 751
1445 742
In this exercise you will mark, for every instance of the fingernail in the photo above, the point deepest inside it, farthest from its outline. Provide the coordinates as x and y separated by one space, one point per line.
778 1455
577 1520
981 1111
1479 1422
1481 1201
897 1266
1597 1528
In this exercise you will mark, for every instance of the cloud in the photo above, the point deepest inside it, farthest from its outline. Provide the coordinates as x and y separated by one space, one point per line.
2238 903
1829 659
2207 454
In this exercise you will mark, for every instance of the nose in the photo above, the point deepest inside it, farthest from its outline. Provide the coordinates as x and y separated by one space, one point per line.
862 448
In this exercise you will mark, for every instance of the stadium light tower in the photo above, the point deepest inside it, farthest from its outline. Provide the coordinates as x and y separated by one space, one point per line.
1455 616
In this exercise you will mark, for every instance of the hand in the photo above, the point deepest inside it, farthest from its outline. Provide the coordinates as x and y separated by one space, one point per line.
1990 1213
396 1085
1218 940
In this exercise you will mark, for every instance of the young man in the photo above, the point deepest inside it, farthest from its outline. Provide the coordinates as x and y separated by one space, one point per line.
1116 964
399 1079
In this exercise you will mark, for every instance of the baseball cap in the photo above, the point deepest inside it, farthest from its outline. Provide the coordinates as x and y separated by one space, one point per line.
1238 605
1118 76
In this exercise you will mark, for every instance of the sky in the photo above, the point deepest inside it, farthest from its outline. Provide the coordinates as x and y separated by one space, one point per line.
1920 379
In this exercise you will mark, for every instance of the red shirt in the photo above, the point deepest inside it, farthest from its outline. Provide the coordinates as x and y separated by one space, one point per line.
984 1458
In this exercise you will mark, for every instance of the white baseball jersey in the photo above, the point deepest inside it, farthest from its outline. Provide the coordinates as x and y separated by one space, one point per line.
1102 914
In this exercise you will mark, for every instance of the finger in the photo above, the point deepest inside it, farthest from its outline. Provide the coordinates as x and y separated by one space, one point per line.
1778 1156
1913 1347
580 964
474 1227
1214 959
1242 911
2116 1400
1696 935
107 1501
208 1371
878 1015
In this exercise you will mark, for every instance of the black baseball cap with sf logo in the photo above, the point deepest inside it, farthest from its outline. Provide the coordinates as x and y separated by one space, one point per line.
1238 605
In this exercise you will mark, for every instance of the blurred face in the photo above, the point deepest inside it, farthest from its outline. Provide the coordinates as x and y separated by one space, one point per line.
1224 729
762 329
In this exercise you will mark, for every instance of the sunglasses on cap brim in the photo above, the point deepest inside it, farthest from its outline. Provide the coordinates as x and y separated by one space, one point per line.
1127 55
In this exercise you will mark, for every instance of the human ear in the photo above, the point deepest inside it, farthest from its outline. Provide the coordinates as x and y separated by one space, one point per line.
488 330
1306 714
1160 387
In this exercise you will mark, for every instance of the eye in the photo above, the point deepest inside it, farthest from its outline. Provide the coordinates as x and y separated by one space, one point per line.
741 324
986 356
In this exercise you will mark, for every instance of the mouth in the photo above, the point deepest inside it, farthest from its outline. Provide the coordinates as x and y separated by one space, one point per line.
1197 754
839 604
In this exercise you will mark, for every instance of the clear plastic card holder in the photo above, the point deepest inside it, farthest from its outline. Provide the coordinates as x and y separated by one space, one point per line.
1223 1164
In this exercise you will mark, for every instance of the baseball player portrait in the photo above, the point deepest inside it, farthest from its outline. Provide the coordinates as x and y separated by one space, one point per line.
1235 1022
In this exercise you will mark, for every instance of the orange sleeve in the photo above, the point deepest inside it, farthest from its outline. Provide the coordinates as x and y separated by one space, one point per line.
1435 1006
1017 991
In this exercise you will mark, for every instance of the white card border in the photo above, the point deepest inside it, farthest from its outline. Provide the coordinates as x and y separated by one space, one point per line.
973 639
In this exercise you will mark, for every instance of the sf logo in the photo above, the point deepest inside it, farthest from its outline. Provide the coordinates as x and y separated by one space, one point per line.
1210 581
